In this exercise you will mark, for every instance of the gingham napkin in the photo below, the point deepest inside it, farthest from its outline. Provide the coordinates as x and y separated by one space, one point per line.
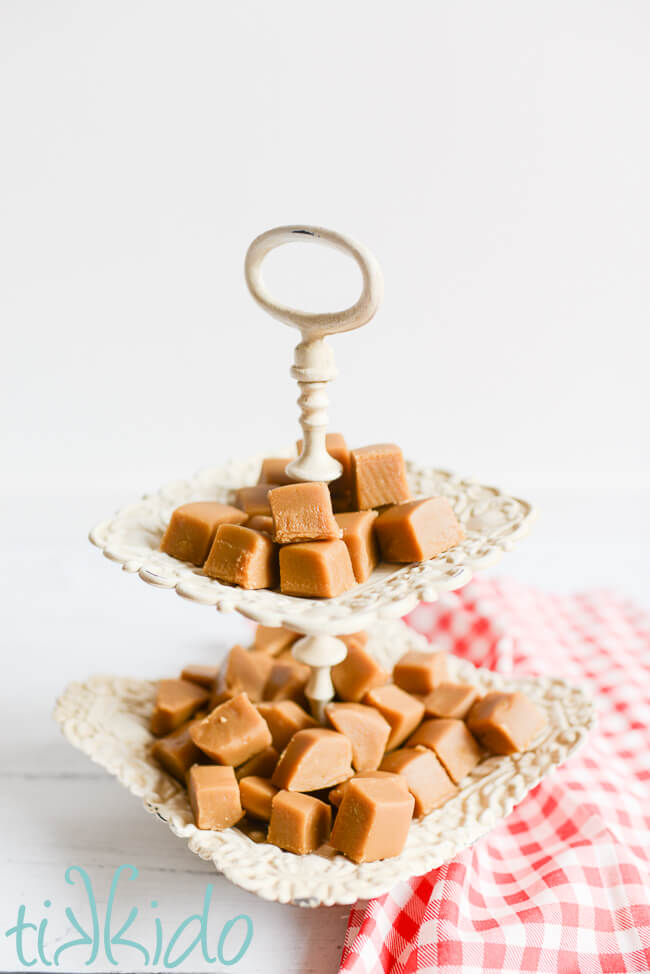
563 884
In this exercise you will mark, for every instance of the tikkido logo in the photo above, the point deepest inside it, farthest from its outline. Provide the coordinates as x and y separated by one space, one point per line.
107 934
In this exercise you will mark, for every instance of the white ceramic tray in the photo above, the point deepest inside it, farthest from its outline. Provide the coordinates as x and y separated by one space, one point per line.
492 520
107 718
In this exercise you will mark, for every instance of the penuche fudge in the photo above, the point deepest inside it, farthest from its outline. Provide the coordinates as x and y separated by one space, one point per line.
303 512
358 535
506 722
316 569
192 528
379 476
232 733
373 819
417 530
243 557
214 796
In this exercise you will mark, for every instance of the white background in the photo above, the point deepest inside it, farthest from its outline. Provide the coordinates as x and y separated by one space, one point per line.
496 159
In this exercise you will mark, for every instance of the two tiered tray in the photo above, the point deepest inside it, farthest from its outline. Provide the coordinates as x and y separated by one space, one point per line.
107 717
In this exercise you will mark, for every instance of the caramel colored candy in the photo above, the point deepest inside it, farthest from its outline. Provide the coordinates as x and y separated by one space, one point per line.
232 733
402 711
335 796
427 780
450 700
417 530
506 722
261 522
357 673
214 796
420 673
373 820
314 758
285 718
203 676
316 569
262 764
192 528
366 730
299 823
176 701
273 639
243 672
243 557
256 796
303 512
177 752
379 476
336 447
254 500
357 527
287 680
452 743
273 471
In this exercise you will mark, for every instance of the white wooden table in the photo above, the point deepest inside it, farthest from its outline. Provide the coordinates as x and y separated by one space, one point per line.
68 614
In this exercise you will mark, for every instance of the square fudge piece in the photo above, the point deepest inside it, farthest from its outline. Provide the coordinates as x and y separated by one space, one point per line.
420 673
243 557
274 639
373 820
303 512
366 730
285 718
417 530
177 752
379 476
299 823
316 569
336 447
261 522
357 673
287 680
256 796
254 500
427 780
358 534
262 764
314 758
451 700
335 796
214 796
452 743
232 733
506 722
243 671
402 711
176 702
203 676
274 471
192 528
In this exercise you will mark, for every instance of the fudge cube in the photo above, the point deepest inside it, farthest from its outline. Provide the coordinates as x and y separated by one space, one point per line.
177 752
451 700
243 557
366 730
274 471
285 718
316 569
176 701
232 733
452 743
335 796
214 796
203 676
299 823
357 673
417 530
336 447
192 528
314 758
303 512
402 711
261 765
261 522
243 672
373 820
506 722
287 680
273 639
379 476
420 673
427 780
254 500
358 535
256 796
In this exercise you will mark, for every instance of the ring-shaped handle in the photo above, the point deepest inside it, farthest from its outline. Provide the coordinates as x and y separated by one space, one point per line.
312 324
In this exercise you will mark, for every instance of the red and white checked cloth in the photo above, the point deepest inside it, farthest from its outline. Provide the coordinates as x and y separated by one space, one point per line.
563 884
